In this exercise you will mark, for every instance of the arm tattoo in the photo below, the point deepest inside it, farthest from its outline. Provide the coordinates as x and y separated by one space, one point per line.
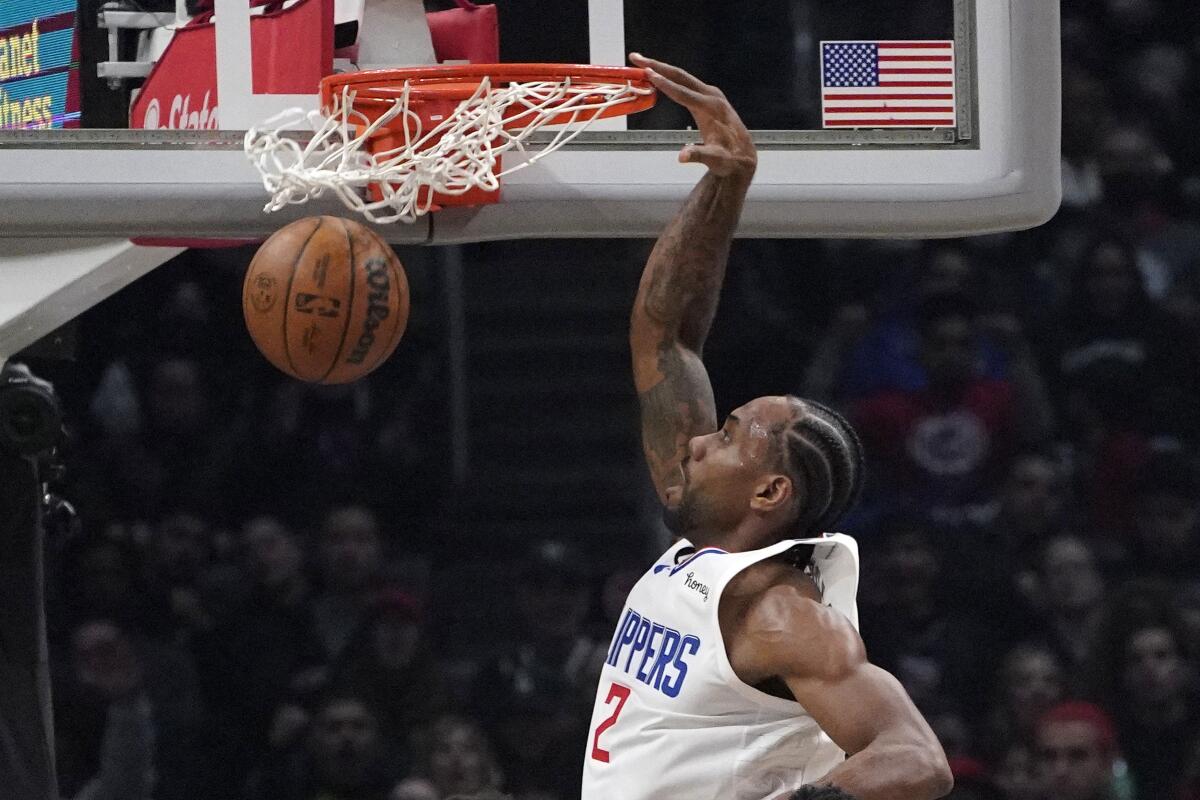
687 266
675 409
674 309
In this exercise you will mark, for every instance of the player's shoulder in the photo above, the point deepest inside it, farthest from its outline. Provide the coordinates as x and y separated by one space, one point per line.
761 576
782 616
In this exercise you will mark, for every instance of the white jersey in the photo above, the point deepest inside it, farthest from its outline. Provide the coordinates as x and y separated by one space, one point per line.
672 720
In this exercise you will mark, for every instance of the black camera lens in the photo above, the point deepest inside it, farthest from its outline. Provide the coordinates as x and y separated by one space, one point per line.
29 419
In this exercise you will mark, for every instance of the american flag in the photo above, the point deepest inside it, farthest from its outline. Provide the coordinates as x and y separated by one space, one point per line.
888 84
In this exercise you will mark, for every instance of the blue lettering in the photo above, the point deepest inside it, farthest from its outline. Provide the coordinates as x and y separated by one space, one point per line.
664 652
669 647
655 630
631 626
639 641
692 644
626 622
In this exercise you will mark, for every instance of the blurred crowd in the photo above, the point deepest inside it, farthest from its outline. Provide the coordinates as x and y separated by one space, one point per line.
249 604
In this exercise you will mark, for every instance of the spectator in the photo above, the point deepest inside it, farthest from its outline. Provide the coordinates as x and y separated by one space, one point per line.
1033 503
105 654
944 447
176 459
1154 695
1166 518
1070 602
1142 201
177 558
351 563
1031 682
359 440
390 665
536 696
1087 113
864 353
1185 605
1076 748
937 654
453 758
250 659
105 731
341 755
1032 506
102 577
1109 320
1016 774
1106 415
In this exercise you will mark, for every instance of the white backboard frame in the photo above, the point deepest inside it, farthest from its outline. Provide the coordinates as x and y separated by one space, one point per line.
613 183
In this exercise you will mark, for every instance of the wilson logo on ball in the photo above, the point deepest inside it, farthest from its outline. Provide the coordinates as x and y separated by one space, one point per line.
377 308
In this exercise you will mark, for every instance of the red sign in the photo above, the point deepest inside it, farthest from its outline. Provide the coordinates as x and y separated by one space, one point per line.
292 50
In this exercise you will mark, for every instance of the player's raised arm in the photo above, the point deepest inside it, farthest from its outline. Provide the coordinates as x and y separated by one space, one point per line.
678 294
892 752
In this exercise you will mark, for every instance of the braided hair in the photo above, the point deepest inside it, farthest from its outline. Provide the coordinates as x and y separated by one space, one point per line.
822 454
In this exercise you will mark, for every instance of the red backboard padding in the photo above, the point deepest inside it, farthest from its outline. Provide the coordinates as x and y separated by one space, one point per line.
468 33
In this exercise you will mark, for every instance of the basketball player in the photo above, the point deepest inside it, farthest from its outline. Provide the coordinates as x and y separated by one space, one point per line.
736 671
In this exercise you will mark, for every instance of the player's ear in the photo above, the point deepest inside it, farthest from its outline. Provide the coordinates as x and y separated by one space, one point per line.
772 492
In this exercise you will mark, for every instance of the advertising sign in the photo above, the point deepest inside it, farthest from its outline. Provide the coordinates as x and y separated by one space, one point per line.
39 64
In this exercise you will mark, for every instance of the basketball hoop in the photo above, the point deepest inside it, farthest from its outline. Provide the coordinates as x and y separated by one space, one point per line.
396 144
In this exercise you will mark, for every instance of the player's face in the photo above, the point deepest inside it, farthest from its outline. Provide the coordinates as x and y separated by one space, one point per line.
723 468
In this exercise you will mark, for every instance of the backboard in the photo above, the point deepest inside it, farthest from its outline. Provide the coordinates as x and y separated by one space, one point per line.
994 167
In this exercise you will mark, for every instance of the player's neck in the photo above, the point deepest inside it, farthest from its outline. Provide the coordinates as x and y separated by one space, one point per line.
749 535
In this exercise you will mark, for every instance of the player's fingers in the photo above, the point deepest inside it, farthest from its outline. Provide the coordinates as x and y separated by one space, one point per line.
672 72
680 94
709 155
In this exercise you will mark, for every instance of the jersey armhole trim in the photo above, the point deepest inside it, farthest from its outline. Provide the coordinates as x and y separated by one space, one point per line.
725 667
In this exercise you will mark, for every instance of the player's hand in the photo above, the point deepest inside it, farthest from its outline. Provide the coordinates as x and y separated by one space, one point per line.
726 149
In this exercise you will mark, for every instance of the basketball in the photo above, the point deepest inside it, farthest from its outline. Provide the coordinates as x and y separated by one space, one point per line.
325 300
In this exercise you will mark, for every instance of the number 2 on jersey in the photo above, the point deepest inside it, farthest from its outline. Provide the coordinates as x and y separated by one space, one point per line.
620 694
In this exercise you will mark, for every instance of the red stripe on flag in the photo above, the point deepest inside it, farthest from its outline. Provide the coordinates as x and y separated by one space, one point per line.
833 96
918 84
916 58
910 71
915 45
888 109
878 123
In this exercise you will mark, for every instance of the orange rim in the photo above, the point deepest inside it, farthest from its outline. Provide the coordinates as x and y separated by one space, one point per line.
453 83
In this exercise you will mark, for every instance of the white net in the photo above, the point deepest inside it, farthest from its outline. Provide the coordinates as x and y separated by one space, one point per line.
452 157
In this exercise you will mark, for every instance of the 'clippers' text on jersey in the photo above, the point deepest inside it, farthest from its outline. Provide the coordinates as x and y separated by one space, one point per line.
652 653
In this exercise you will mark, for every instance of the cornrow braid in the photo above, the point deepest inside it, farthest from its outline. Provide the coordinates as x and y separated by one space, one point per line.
823 454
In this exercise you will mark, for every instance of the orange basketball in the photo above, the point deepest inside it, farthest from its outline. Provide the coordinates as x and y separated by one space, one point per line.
325 300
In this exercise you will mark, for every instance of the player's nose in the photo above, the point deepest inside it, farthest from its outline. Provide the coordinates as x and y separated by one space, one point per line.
696 448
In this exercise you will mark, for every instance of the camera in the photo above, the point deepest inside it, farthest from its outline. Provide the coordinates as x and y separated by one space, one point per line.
31 422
